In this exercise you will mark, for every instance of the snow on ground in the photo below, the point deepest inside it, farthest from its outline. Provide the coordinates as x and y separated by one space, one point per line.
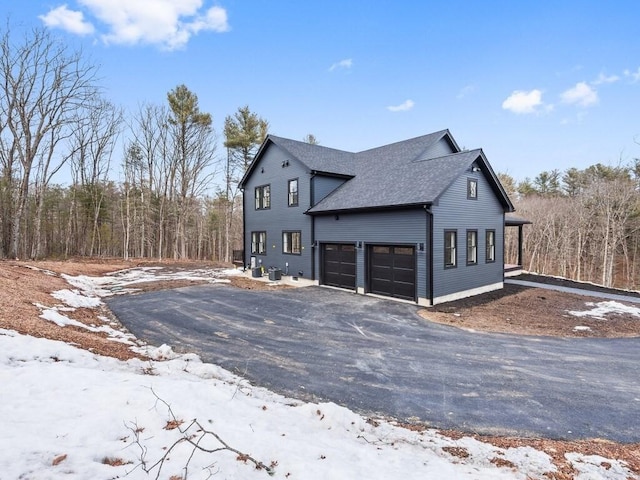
67 413
600 310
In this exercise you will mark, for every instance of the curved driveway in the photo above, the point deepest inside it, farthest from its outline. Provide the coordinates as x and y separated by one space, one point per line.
378 356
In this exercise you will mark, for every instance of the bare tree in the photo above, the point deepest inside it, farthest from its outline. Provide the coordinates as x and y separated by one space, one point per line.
43 86
92 145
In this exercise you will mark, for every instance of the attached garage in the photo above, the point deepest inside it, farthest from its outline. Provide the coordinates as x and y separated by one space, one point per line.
392 271
339 265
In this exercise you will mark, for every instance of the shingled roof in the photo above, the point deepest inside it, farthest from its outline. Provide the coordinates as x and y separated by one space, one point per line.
410 172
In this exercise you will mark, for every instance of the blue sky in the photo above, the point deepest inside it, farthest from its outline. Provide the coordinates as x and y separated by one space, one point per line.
537 84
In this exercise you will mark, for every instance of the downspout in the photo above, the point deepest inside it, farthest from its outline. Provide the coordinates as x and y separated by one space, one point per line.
429 261
313 228
244 231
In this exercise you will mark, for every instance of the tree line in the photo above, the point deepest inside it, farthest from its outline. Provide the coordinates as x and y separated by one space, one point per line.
166 204
585 223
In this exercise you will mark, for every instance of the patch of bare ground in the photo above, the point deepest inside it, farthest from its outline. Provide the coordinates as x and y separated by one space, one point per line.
21 287
532 311
556 449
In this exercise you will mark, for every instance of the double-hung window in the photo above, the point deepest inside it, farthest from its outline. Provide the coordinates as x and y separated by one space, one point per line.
450 248
490 243
259 243
472 247
263 197
293 193
292 242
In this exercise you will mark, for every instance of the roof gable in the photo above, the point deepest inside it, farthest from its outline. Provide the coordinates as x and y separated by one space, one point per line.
410 172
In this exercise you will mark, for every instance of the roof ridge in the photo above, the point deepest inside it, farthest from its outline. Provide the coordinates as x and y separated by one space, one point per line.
454 154
438 133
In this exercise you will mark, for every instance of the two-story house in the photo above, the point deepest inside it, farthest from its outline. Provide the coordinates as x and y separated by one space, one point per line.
420 220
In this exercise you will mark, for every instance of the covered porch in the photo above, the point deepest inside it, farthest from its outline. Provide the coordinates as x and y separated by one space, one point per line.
513 221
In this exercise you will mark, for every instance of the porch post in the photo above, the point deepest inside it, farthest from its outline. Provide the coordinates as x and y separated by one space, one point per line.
520 245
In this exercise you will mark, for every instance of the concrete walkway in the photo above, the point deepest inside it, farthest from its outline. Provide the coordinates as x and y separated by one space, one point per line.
577 291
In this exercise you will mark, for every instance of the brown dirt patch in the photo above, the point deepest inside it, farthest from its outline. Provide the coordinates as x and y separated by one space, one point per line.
24 283
21 287
556 449
531 311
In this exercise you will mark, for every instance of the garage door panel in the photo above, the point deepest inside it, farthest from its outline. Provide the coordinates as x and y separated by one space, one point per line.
404 275
339 265
392 271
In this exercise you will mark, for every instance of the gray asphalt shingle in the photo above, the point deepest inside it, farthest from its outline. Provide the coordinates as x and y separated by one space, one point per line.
414 171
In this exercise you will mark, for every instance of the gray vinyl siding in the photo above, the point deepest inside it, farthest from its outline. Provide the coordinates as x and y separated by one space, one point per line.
323 186
455 212
280 217
399 227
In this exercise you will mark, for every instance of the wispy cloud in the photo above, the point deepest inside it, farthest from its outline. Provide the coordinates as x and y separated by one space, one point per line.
168 24
523 102
69 20
403 107
602 79
634 76
466 90
345 64
581 94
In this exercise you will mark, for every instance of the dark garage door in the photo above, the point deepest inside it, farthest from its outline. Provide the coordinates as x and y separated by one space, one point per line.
392 271
339 265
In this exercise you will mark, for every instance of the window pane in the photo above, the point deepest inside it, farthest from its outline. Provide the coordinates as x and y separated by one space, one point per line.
266 197
450 255
295 242
472 247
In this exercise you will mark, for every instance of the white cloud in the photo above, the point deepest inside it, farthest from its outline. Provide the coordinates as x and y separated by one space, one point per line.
166 23
602 78
522 102
69 20
403 107
635 76
342 64
582 94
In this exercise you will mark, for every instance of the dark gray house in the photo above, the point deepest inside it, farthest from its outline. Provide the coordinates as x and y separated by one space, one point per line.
420 220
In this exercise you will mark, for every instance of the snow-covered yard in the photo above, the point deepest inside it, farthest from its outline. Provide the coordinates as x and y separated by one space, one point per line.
68 413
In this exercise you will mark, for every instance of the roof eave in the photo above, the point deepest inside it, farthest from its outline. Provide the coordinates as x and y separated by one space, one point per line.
337 211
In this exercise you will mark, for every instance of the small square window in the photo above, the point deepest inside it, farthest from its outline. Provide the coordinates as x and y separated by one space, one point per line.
450 248
472 189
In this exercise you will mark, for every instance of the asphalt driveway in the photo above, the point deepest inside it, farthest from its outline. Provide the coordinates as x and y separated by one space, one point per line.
377 356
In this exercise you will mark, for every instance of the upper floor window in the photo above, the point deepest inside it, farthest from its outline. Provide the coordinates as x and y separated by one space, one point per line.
490 240
450 248
472 189
259 243
291 242
472 247
293 192
263 197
